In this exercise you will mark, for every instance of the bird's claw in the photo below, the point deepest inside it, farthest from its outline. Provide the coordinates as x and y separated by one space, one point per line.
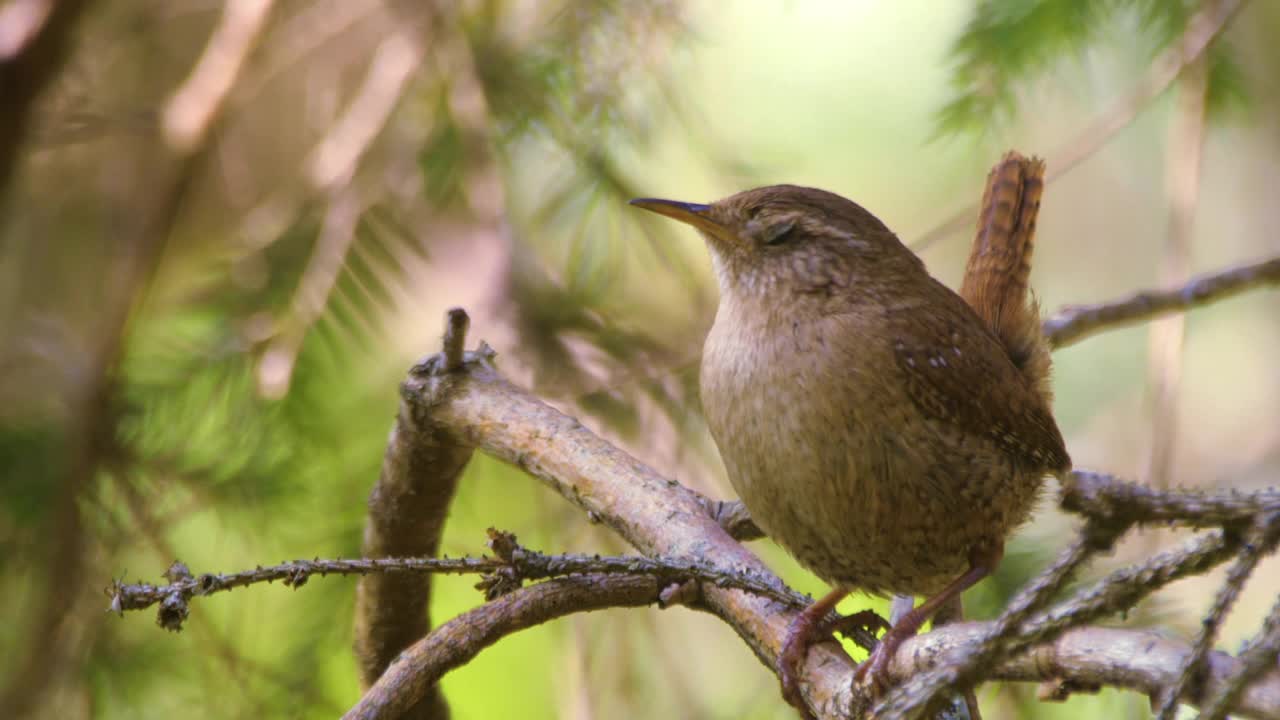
790 662
873 673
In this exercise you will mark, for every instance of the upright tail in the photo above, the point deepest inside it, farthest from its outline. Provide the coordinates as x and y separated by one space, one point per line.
995 279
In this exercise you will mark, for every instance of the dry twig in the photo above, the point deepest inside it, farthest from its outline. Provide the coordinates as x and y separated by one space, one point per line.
417 670
512 566
1257 660
1260 541
1074 323
1099 495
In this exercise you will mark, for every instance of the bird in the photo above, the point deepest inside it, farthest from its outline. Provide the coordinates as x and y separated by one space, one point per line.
886 431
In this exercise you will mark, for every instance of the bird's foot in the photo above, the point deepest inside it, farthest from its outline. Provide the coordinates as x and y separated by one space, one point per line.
874 671
805 630
795 647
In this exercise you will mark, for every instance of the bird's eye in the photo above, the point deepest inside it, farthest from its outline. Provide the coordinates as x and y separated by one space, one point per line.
778 233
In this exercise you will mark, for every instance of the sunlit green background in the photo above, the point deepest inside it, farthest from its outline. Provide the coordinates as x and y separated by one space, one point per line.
244 431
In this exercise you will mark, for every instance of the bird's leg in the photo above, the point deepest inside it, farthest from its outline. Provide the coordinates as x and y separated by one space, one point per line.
805 628
947 614
983 559
956 707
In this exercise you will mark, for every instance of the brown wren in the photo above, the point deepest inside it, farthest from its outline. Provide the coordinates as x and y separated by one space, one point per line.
886 431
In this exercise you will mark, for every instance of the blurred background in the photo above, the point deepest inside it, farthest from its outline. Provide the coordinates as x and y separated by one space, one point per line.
201 339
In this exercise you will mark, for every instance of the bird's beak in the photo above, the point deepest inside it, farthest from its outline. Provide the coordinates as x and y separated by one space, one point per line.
693 214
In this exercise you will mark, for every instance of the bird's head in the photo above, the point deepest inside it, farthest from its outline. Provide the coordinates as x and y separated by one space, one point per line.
787 240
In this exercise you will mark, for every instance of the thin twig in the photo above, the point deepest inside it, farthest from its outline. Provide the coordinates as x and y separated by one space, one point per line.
455 338
1257 660
1260 542
508 574
1100 495
1074 323
407 511
454 643
1123 588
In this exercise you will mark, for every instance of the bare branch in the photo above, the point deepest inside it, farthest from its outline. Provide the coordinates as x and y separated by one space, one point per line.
1257 660
657 515
1074 323
407 512
1125 587
455 338
1261 541
417 670
1092 656
505 573
1080 657
476 406
1100 495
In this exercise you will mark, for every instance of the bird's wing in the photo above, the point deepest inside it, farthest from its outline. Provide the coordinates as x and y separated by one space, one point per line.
955 371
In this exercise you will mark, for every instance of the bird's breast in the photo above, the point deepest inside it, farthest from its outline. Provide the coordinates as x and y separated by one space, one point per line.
788 413
835 462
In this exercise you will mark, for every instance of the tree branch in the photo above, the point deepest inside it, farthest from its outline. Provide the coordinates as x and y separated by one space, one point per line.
1257 660
513 566
1075 323
1260 541
1140 661
1092 656
407 511
1097 494
419 668
476 407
